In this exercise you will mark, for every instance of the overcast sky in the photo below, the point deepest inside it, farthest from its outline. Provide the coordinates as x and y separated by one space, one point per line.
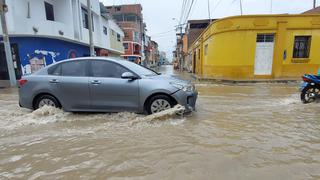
158 14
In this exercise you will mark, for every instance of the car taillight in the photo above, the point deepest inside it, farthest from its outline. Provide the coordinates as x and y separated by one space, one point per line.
22 82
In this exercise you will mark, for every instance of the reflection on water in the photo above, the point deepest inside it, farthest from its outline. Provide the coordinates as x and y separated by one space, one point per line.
257 131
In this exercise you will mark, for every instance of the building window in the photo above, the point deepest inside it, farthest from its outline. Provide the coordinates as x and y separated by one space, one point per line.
136 36
118 37
126 46
126 35
49 11
301 47
105 30
199 26
85 20
112 32
206 49
118 8
265 37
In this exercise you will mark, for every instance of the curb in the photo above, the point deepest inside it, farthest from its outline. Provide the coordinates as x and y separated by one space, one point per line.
253 81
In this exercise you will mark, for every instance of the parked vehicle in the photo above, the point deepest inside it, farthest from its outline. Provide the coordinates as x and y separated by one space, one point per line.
310 89
104 85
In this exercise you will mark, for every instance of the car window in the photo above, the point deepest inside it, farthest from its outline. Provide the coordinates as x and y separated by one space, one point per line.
107 69
74 68
55 70
138 69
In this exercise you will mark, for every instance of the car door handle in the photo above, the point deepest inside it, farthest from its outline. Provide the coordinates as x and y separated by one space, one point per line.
54 81
95 82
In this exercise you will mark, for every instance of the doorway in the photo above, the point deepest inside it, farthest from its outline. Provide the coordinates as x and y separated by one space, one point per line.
264 54
4 74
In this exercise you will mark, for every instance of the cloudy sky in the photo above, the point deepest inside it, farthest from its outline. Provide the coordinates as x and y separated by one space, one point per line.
159 14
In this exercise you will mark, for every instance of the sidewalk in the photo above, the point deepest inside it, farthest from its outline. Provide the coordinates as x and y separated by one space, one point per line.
4 84
242 81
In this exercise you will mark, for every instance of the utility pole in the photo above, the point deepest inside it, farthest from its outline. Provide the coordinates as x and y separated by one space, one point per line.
314 4
6 43
241 7
90 28
209 11
181 50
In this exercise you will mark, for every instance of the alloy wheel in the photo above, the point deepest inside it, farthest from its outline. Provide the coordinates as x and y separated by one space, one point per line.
159 105
46 102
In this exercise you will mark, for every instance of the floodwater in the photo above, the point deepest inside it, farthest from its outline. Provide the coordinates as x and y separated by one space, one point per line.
255 131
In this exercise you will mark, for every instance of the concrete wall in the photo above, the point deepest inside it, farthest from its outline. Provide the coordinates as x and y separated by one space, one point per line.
115 45
28 18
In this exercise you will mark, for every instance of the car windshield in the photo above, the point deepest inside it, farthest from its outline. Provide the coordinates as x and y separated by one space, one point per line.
138 69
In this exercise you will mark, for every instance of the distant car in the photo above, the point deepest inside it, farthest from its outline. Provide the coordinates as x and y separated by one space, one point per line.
94 84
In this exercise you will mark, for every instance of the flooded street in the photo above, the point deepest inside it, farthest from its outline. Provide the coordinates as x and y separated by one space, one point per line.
255 131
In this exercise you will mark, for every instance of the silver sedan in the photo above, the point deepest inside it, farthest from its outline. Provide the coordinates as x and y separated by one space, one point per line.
96 84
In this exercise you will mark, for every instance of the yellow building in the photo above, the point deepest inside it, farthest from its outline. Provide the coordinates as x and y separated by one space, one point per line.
260 46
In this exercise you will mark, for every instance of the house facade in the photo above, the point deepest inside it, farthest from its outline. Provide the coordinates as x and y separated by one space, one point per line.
130 18
258 46
45 31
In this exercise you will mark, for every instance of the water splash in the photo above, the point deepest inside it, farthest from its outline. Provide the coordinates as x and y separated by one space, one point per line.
47 115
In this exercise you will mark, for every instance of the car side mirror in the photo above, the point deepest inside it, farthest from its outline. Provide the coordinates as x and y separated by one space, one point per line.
129 75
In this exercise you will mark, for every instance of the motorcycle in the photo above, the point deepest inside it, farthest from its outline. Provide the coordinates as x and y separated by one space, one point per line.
310 88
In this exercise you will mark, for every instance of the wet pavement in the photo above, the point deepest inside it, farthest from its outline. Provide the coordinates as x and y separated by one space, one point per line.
254 131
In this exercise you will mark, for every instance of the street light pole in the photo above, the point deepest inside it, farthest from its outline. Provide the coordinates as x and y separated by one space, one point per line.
90 28
181 50
241 7
6 43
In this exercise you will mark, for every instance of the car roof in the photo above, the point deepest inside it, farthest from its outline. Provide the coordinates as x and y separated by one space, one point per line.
113 59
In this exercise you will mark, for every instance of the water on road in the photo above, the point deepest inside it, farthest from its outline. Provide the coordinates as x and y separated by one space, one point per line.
259 131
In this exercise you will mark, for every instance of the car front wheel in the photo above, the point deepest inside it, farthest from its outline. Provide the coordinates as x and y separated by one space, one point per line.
159 103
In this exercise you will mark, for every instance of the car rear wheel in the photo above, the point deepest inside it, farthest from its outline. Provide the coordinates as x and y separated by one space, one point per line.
159 103
47 100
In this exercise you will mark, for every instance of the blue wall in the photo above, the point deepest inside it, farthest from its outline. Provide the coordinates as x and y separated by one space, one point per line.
35 49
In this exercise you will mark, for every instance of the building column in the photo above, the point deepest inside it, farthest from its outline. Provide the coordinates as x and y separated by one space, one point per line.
280 49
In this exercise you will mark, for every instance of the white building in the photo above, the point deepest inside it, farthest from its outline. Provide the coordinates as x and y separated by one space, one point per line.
44 31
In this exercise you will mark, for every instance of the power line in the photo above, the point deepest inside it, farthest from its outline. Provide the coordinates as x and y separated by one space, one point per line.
166 32
218 3
185 10
188 14
192 11
182 9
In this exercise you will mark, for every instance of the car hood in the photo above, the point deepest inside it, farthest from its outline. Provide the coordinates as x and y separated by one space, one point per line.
170 78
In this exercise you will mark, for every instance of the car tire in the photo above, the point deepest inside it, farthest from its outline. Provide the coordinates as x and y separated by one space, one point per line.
159 103
46 100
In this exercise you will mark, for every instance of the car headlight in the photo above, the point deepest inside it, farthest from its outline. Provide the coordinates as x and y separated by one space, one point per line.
183 87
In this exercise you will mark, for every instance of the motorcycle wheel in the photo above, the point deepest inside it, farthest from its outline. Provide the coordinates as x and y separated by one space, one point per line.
309 94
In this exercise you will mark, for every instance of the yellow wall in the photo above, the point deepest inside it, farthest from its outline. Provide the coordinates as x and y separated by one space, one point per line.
231 45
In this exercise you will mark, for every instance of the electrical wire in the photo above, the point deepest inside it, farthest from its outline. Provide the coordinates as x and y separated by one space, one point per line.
189 11
182 10
161 33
